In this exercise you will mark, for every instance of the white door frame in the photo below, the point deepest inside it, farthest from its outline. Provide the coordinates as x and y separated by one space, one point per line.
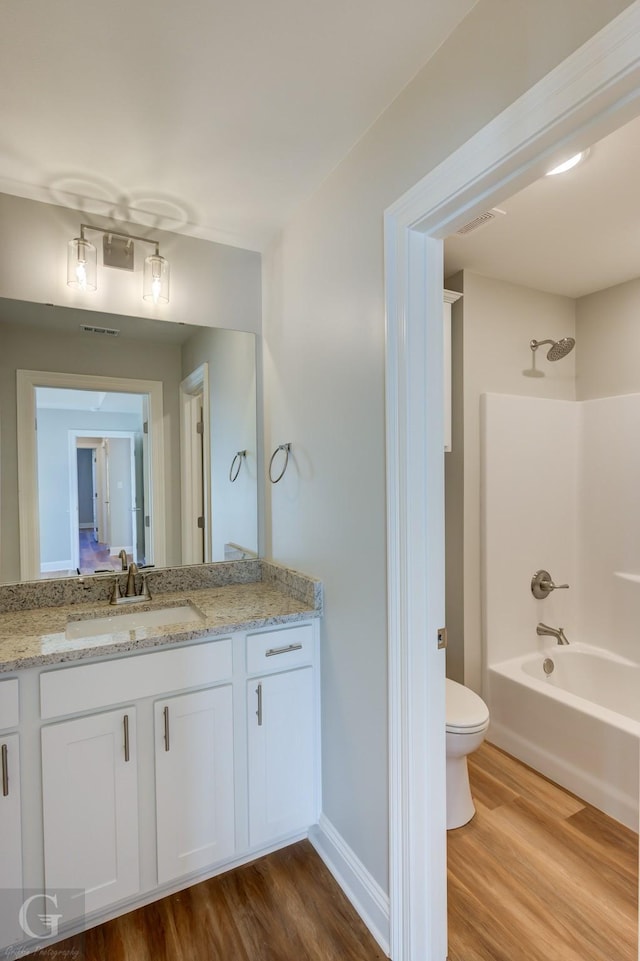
196 384
75 435
590 94
28 508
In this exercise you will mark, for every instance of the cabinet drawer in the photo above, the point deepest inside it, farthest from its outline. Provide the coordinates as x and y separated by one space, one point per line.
91 686
279 650
9 707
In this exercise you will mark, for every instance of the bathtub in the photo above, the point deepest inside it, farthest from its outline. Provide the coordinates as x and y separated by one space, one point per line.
579 725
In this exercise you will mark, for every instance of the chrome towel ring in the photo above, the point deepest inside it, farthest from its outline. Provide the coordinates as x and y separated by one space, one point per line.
286 448
236 464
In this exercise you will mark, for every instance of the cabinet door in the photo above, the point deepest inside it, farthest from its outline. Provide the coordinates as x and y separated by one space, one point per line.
90 797
281 715
10 840
194 781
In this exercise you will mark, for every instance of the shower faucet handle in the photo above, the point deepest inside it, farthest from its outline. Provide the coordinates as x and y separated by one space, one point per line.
542 585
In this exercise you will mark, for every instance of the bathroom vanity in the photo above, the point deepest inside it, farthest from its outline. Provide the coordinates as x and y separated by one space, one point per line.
142 759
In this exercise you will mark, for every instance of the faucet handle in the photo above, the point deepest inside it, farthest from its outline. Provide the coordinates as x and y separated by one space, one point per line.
115 591
144 590
542 585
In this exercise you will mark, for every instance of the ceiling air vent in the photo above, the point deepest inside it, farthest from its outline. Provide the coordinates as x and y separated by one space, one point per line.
109 331
480 221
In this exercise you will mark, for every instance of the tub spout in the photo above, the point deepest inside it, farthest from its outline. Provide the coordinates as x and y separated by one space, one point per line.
557 632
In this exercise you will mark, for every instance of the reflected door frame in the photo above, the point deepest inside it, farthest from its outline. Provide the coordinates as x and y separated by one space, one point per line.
195 466
83 438
28 506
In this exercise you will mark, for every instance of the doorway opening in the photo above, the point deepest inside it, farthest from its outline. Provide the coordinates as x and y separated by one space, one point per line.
106 502
590 94
120 422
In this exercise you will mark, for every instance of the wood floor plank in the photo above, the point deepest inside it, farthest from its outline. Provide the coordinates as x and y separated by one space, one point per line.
282 907
539 874
587 860
524 781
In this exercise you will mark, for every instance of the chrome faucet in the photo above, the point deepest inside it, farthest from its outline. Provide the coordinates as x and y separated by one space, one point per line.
558 633
123 559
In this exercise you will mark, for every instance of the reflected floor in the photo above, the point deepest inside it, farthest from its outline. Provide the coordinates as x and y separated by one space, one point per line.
93 556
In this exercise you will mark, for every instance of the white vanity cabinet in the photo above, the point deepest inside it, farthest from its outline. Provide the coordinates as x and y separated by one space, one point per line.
90 807
195 805
10 811
155 769
10 838
282 733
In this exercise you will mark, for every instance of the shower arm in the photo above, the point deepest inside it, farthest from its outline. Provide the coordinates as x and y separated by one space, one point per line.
542 585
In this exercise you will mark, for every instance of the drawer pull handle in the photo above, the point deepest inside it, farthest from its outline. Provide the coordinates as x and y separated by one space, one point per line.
5 771
125 722
282 650
166 728
259 711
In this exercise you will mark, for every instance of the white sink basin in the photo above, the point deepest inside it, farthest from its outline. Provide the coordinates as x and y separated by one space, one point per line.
111 623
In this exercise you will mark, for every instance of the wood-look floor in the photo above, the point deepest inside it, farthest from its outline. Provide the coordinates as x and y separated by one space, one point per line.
538 875
283 907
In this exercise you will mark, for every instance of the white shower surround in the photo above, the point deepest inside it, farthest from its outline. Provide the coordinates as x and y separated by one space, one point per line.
560 484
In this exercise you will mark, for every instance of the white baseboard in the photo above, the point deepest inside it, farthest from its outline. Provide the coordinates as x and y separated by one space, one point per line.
364 892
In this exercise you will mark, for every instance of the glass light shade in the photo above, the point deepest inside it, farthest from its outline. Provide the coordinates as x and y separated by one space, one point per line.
82 259
156 279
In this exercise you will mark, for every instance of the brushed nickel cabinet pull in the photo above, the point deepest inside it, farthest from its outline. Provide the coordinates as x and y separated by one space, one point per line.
5 771
259 711
166 727
282 650
126 737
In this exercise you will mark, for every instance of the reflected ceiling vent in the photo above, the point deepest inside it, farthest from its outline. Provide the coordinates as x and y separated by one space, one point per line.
480 221
109 331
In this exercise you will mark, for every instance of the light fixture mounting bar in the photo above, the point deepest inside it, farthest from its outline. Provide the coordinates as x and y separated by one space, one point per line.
110 232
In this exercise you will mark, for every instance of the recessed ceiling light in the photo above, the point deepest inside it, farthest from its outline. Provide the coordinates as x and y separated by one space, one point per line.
569 164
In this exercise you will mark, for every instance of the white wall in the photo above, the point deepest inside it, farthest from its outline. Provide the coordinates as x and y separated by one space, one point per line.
231 357
493 325
608 349
210 285
324 374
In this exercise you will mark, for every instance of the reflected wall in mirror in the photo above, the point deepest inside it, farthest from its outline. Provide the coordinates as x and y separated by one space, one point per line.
190 364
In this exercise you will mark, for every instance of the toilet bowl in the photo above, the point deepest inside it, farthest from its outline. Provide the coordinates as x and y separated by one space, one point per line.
467 723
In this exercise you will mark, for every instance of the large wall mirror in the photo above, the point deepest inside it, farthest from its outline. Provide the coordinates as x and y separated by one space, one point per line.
123 438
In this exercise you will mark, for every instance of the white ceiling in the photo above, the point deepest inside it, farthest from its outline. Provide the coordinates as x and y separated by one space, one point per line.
570 234
106 402
215 118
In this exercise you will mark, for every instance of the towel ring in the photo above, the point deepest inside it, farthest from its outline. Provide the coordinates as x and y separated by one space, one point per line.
233 473
286 448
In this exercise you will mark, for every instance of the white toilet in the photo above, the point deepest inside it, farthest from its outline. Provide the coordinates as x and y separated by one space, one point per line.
467 723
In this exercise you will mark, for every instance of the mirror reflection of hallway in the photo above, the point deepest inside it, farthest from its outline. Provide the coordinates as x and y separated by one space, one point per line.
109 501
90 480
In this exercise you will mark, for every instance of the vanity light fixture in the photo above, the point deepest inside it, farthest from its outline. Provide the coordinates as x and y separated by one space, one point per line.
569 164
117 251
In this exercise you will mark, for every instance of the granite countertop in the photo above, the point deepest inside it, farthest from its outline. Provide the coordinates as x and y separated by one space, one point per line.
36 636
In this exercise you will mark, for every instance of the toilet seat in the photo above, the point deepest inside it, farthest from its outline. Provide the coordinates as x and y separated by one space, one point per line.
466 713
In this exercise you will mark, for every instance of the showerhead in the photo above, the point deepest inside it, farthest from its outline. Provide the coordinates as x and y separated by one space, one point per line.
559 348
